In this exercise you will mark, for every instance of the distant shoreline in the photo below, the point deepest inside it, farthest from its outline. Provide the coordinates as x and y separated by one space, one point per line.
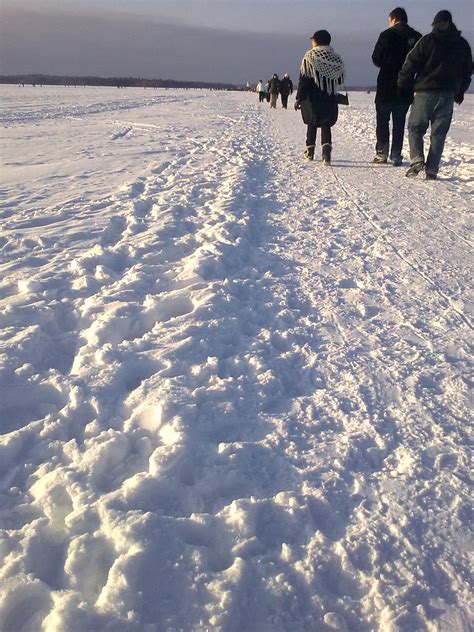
127 82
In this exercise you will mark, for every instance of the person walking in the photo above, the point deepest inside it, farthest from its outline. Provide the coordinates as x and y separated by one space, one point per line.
274 90
321 77
391 49
440 66
260 90
286 88
267 91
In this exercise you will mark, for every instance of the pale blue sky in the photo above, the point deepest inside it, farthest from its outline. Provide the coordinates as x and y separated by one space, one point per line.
215 40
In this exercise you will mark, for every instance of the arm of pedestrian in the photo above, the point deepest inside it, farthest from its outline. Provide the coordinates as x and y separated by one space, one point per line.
467 69
414 62
378 55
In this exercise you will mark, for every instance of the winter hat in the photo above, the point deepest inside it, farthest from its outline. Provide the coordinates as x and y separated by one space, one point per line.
323 38
442 16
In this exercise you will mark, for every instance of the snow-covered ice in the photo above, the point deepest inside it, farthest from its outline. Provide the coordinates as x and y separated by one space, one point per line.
234 385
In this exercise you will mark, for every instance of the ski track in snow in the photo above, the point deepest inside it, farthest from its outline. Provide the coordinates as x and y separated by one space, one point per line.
234 385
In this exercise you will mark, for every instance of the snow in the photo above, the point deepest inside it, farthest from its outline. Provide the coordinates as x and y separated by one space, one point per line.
234 385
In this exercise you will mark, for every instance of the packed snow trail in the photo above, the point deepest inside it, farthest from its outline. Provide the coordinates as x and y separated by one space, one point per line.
234 385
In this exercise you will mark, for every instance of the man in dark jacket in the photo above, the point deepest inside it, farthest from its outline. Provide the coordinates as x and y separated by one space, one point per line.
389 54
440 66
286 88
273 90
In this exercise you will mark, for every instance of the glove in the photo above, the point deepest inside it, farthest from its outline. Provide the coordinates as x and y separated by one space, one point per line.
297 105
459 98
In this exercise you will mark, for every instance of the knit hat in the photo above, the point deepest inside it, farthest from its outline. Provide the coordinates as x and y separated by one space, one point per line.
442 16
323 38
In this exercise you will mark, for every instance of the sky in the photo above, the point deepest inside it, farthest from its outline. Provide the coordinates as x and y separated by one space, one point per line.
229 41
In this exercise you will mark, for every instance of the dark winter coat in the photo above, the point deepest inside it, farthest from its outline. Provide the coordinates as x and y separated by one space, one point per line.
389 55
286 86
317 106
274 87
441 61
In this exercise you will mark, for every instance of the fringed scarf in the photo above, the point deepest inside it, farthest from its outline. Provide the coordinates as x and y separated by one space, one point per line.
325 66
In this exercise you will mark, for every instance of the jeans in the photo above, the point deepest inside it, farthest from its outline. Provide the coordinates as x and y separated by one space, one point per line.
435 107
326 136
284 100
273 100
398 111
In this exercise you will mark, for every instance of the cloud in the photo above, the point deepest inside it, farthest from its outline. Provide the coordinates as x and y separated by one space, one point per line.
95 43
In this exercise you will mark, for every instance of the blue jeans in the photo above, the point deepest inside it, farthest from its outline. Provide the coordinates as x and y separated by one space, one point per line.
435 107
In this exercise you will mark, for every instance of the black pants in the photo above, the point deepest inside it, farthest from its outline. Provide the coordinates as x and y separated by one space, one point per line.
284 100
262 96
326 136
398 112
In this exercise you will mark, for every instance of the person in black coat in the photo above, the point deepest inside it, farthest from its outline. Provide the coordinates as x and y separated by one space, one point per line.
286 88
439 69
321 77
273 90
389 54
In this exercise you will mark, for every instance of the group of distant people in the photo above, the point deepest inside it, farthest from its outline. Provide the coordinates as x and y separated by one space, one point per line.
429 73
273 88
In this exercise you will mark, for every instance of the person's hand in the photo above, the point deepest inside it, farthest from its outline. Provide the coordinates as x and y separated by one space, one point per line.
297 105
459 98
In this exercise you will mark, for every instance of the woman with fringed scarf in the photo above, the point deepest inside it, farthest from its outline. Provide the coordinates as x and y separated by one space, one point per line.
321 77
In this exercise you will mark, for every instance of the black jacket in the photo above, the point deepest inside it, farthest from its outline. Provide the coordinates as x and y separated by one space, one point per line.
317 106
286 86
389 54
441 60
274 87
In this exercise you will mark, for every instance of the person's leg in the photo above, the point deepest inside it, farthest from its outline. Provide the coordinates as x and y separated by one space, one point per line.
273 100
284 101
326 135
310 141
326 143
418 122
399 114
440 122
382 130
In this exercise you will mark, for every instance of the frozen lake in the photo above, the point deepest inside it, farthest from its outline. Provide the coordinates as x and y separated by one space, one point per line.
234 386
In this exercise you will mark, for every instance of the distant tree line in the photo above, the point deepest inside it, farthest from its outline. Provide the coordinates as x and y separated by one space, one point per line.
119 82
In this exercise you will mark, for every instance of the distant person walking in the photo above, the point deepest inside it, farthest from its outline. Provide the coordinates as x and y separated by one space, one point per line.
274 90
391 49
440 66
286 88
260 90
321 76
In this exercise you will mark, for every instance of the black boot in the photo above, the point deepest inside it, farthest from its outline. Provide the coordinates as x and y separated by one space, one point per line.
309 152
326 154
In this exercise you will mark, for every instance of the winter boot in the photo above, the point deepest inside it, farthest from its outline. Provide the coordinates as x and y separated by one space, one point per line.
397 161
415 169
326 154
430 176
380 159
309 152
